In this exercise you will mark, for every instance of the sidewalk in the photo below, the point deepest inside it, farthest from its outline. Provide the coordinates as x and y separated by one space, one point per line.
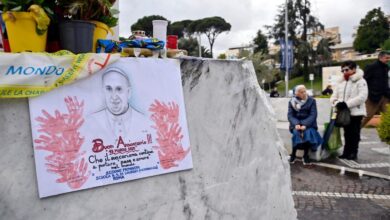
374 155
328 190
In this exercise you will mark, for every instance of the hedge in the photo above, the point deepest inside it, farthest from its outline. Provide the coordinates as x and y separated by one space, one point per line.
384 126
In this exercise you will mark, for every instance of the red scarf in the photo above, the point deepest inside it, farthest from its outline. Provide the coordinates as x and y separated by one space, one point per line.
347 75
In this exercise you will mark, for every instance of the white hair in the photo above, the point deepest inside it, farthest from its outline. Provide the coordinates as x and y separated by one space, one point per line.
298 88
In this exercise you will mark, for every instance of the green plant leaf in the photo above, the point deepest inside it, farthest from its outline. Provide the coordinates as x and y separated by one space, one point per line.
114 11
48 10
39 2
18 8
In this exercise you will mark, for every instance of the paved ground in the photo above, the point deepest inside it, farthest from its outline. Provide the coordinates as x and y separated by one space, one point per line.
323 193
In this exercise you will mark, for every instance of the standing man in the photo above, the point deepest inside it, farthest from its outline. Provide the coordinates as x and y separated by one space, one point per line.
377 77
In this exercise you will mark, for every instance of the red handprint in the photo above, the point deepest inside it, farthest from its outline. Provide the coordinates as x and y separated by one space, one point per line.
166 119
78 175
62 138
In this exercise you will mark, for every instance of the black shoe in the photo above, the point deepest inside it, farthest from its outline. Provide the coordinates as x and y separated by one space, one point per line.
292 159
352 157
306 161
343 156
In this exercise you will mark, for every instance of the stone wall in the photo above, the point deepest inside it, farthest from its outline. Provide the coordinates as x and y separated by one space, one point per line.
281 108
240 166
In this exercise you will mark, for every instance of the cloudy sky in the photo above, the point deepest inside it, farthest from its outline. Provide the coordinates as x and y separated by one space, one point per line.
246 16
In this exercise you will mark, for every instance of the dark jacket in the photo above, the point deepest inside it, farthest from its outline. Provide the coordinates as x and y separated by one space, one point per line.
307 115
376 75
274 94
327 91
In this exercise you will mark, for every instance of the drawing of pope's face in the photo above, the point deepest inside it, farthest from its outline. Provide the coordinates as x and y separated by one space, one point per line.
116 90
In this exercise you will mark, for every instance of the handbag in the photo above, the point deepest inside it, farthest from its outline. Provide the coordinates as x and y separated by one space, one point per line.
331 138
343 118
334 141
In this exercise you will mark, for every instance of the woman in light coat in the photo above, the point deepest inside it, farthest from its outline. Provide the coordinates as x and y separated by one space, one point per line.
351 92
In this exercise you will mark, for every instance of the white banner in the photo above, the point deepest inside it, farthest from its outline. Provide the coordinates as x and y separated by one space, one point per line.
125 122
32 74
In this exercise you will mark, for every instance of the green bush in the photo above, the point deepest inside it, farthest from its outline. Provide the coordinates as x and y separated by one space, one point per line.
386 45
384 126
317 84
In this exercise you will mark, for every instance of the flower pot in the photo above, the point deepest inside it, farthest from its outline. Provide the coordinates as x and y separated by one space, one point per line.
100 32
21 32
77 36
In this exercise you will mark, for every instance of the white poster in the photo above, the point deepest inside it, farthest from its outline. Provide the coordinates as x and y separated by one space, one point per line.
125 122
330 75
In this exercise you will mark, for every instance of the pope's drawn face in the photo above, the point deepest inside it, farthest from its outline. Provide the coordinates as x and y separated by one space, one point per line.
117 92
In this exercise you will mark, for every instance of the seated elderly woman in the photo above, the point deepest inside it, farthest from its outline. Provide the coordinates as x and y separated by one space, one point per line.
302 115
